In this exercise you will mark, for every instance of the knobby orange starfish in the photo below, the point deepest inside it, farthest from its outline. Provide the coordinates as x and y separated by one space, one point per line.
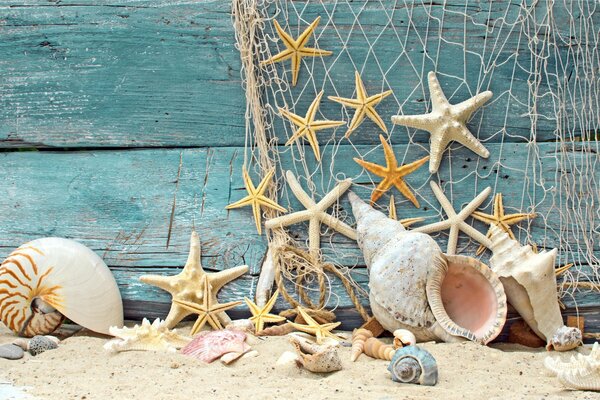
307 126
296 48
392 174
364 105
260 315
256 198
500 219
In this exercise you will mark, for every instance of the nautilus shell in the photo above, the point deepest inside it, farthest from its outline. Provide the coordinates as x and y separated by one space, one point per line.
48 279
414 286
413 364
530 285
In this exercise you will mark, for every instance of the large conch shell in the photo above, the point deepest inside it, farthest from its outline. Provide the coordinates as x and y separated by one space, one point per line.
48 278
530 284
414 286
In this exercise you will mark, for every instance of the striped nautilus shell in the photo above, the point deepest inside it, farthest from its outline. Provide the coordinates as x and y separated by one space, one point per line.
48 279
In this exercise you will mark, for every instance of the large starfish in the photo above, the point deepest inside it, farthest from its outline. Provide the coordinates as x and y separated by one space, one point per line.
187 285
208 310
456 222
256 198
307 126
296 48
392 174
406 222
260 315
315 213
499 219
312 327
364 104
446 122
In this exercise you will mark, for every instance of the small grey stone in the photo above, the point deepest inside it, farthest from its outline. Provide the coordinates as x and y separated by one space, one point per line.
11 352
39 344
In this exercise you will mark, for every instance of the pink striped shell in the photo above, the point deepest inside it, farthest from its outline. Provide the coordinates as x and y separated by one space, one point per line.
207 346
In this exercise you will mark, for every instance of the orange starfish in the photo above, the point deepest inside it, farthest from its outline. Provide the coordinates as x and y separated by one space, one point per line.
392 174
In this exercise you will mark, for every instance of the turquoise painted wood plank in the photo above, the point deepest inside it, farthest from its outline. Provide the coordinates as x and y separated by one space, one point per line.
128 73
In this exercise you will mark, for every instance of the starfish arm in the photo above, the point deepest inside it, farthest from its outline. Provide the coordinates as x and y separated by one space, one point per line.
176 315
438 142
311 52
406 222
299 193
281 56
254 309
307 318
265 201
246 201
193 307
271 303
303 328
314 235
435 227
257 216
452 240
376 98
357 119
442 199
405 190
193 260
248 182
295 119
163 282
311 136
388 152
214 322
476 202
312 109
272 318
361 92
372 167
200 322
465 109
286 38
288 219
334 194
353 103
498 206
467 139
392 209
438 98
374 116
221 307
303 38
219 279
423 122
338 226
475 234
485 218
380 189
298 134
512 219
264 183
296 59
413 166
319 125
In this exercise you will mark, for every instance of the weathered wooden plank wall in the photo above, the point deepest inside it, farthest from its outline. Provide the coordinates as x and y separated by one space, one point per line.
125 105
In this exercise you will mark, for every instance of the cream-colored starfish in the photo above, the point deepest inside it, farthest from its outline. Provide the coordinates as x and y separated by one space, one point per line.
256 198
364 104
499 219
392 174
446 122
406 222
296 48
208 310
308 127
456 222
315 213
187 285
260 315
312 327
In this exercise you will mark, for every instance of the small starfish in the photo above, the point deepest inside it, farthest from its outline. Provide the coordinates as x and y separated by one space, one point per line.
456 222
307 126
392 174
406 222
446 122
208 310
296 48
261 315
187 285
364 104
314 328
256 198
315 213
499 219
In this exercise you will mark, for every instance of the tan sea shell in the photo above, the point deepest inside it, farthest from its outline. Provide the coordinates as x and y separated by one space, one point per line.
277 330
146 337
377 349
414 286
48 278
314 357
359 336
403 337
530 285
580 372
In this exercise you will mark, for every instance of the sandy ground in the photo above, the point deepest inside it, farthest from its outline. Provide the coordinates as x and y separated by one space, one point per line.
81 369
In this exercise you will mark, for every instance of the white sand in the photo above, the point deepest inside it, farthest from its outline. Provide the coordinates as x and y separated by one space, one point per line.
81 369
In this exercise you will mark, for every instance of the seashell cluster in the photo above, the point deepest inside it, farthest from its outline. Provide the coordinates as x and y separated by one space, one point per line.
414 286
530 285
48 279
316 357
580 372
413 364
207 346
146 337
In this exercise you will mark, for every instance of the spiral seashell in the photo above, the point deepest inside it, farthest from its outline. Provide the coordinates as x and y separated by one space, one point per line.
413 364
46 279
359 336
377 349
277 330
403 337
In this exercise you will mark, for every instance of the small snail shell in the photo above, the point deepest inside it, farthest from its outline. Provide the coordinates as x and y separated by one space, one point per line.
403 337
413 364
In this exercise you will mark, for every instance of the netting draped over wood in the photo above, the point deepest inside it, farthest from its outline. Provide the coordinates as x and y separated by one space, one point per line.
540 59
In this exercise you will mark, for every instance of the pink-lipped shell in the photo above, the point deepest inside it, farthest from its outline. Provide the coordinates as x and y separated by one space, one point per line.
207 346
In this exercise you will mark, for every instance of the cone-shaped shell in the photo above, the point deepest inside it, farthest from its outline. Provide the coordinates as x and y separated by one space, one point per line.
359 336
57 274
375 348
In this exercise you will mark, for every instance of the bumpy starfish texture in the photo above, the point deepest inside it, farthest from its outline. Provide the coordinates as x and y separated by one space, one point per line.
260 315
187 285
446 122
456 222
364 105
500 219
296 48
312 327
307 126
208 310
406 222
392 174
315 213
256 198
147 336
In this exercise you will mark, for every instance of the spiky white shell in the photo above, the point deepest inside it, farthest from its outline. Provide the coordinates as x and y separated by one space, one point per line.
147 336
580 372
59 276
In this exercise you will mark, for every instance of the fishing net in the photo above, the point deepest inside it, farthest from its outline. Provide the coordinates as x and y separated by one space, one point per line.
540 59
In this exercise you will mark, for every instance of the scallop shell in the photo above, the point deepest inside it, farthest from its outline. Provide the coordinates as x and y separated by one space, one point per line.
148 337
414 286
413 364
207 346
314 357
377 349
48 278
359 336
581 372
530 285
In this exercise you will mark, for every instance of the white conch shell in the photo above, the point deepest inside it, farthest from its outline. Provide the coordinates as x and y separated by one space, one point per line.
530 285
581 372
149 337
414 286
48 277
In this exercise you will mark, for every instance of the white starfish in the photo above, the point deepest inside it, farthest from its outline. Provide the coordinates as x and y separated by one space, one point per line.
315 213
446 122
456 222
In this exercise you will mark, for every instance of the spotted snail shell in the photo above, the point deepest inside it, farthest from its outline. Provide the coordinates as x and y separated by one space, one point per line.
412 364
48 279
